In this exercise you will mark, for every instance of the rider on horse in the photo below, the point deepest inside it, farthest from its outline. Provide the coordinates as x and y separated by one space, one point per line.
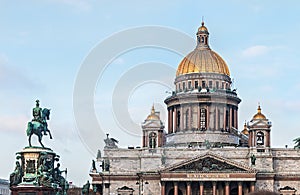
37 115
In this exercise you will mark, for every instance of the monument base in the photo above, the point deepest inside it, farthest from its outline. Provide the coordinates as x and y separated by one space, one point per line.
32 190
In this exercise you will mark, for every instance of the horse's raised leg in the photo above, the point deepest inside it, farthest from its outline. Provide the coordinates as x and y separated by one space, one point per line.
49 133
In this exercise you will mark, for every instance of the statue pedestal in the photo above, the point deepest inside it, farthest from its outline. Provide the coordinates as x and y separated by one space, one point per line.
32 190
35 173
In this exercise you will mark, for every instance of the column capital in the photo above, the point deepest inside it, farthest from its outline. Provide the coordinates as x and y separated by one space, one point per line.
188 183
227 183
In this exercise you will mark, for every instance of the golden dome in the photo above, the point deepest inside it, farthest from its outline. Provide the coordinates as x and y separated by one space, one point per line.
245 130
259 115
202 27
153 115
202 61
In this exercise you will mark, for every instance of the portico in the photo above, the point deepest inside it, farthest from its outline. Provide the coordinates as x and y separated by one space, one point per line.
208 174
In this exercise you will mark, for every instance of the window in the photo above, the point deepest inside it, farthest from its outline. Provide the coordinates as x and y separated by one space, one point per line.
203 84
183 85
210 84
260 138
178 86
227 120
178 119
217 84
222 85
152 140
202 118
196 84
189 85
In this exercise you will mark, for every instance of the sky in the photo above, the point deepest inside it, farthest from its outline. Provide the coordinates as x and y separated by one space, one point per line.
52 50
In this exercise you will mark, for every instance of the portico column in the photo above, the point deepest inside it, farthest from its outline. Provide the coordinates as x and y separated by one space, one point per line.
163 186
175 188
188 188
201 187
240 188
252 186
227 191
214 185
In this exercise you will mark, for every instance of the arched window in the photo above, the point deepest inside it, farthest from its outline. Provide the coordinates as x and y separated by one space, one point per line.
260 138
203 119
152 140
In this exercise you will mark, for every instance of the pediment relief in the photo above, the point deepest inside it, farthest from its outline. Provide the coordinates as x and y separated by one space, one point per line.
209 163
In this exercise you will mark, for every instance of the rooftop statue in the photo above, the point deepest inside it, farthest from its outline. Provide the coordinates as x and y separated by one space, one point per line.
38 123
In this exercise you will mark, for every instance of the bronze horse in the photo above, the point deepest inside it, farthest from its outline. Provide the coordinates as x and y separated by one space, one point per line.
36 127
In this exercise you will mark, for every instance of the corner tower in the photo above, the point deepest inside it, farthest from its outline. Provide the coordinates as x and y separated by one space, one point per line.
203 106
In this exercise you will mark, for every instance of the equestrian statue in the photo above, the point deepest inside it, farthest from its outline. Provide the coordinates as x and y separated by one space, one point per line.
38 125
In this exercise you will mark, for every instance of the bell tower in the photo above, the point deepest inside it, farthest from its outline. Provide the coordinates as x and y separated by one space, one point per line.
153 130
259 131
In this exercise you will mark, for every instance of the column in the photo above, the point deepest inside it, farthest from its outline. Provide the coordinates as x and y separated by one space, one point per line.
175 188
163 188
240 188
190 118
217 118
224 118
181 118
175 121
236 118
214 185
230 118
171 120
227 190
198 116
252 186
201 187
207 117
188 188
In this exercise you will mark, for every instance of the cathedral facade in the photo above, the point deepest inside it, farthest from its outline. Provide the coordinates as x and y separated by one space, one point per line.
202 151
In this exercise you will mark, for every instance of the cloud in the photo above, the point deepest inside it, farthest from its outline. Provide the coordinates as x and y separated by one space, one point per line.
254 51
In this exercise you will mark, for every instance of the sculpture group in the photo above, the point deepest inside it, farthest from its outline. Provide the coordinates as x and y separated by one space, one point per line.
38 167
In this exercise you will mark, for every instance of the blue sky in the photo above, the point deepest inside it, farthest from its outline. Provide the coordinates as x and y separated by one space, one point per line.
43 45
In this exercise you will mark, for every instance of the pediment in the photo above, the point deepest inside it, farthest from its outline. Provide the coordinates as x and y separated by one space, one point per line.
260 123
208 163
152 124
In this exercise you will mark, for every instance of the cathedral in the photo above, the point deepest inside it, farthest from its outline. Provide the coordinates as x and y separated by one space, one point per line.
202 151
